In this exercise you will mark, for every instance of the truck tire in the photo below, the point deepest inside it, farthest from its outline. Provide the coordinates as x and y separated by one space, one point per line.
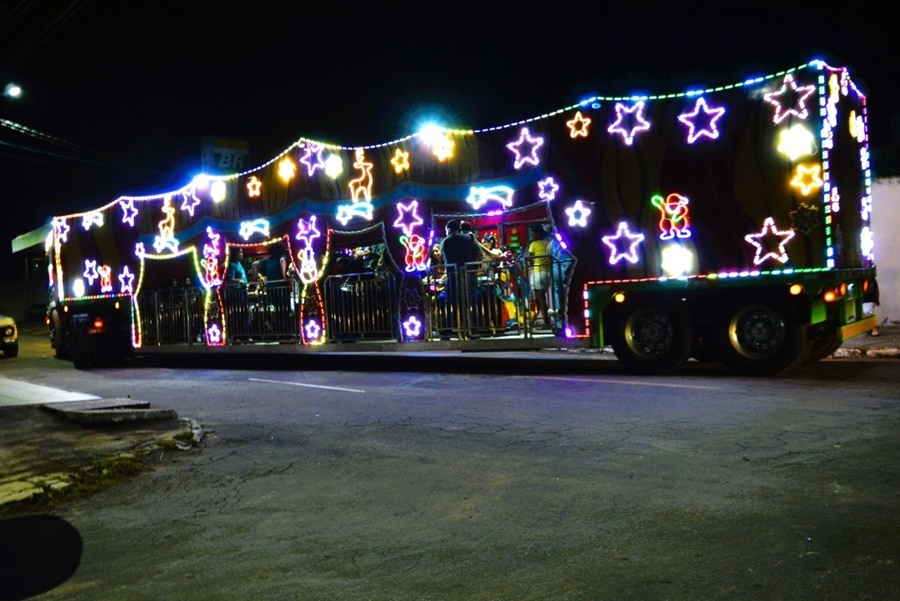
58 337
762 338
11 350
650 337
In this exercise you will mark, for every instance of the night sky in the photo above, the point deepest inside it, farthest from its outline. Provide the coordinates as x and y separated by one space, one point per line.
118 94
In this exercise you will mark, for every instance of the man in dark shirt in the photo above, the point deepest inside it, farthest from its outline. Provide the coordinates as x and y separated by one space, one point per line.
457 250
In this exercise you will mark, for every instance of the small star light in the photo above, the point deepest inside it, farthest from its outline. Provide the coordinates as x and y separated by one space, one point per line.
312 329
61 229
702 122
794 98
287 169
807 178
312 157
126 280
214 334
633 117
190 201
254 187
90 271
129 212
528 154
217 190
763 242
412 327
408 217
578 126
617 243
796 141
400 161
578 214
548 189
333 166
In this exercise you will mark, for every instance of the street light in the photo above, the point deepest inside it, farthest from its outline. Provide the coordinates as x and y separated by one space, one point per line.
12 90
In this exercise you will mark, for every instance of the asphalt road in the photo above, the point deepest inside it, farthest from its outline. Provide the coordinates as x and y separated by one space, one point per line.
362 481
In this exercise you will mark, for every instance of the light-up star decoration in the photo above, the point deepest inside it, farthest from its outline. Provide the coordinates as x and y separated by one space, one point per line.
547 189
214 335
578 214
254 226
312 157
408 217
796 141
90 271
126 281
629 121
254 187
90 219
129 212
218 190
769 242
623 244
190 201
412 327
790 99
61 229
578 126
312 329
400 161
525 149
807 178
481 195
702 121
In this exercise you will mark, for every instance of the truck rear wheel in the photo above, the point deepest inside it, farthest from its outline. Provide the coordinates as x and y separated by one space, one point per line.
650 337
764 338
58 337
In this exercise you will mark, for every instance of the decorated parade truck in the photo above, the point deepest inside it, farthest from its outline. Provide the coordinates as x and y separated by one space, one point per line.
728 224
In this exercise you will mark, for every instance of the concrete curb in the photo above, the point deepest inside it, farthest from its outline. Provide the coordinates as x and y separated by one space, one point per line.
109 411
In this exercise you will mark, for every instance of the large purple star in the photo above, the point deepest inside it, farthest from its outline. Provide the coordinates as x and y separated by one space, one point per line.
702 122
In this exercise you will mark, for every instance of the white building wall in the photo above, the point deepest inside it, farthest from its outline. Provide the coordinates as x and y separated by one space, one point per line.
886 230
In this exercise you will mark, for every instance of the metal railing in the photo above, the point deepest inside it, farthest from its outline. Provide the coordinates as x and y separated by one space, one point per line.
361 306
482 299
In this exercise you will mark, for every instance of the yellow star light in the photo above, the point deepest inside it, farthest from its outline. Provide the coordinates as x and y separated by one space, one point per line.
400 161
578 126
254 187
807 178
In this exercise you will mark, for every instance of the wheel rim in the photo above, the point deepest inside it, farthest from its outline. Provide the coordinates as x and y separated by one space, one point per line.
650 333
757 332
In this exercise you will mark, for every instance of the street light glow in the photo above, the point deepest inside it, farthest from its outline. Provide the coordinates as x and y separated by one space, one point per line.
12 90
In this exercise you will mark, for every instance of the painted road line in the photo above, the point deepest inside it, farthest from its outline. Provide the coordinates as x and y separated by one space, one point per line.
15 393
306 385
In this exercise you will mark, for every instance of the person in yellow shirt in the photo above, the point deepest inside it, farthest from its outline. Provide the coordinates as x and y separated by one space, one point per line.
537 259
